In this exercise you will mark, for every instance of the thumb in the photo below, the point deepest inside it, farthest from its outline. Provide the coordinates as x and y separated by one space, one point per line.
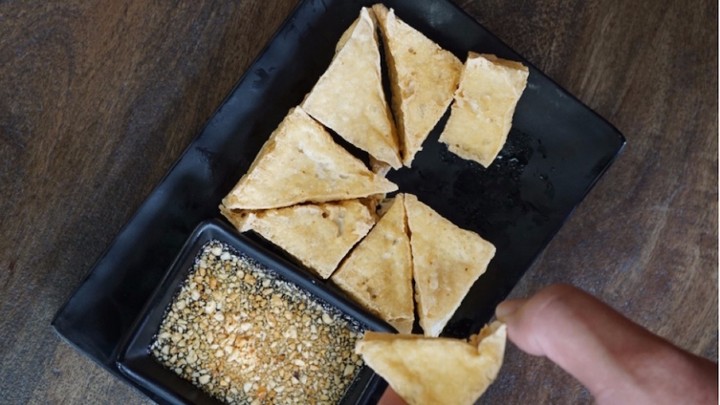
514 313
616 359
572 329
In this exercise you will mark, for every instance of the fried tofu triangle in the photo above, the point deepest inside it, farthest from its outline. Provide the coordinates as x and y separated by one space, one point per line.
426 370
423 78
447 260
318 235
378 272
349 97
481 116
301 163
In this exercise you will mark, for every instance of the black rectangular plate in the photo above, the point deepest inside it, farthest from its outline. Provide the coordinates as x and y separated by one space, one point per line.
557 150
136 362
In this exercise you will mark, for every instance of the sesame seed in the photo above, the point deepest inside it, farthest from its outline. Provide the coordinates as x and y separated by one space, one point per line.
244 335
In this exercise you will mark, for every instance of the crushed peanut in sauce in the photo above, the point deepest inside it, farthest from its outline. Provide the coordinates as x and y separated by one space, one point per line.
245 336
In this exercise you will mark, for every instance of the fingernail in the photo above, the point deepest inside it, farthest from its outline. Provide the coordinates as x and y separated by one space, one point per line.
507 308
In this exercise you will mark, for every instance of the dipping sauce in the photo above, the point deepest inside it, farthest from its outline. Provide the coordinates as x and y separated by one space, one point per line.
245 336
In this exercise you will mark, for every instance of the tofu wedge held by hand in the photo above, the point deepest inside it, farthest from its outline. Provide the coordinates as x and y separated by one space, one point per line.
447 260
423 78
301 163
378 272
318 235
349 98
481 116
426 370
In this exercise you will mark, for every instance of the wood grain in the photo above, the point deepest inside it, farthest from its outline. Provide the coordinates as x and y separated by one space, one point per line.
97 99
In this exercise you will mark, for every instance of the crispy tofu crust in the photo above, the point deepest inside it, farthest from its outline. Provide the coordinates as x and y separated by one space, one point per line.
481 116
378 272
301 163
447 260
426 370
349 98
318 235
423 78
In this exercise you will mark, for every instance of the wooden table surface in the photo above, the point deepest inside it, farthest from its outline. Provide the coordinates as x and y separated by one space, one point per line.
97 99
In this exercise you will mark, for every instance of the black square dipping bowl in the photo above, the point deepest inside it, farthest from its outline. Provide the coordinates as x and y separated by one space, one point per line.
137 362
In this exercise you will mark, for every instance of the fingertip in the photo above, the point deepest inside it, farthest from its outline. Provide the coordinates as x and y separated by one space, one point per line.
525 324
506 309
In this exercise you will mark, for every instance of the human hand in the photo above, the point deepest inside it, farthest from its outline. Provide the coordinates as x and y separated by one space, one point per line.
617 360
